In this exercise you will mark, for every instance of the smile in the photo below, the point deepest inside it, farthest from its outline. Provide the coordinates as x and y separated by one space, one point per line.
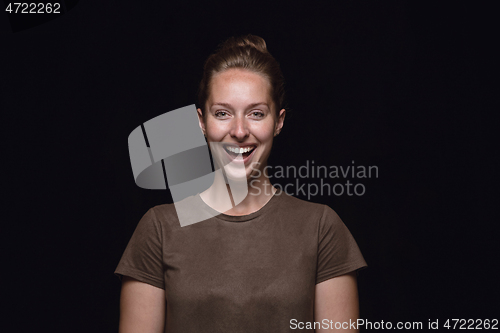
239 150
234 152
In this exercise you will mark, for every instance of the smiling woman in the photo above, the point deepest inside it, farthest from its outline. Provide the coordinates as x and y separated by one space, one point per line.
261 262
239 117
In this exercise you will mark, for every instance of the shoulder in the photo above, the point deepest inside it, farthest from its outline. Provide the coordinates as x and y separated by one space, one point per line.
295 203
298 207
163 215
163 210
326 217
168 215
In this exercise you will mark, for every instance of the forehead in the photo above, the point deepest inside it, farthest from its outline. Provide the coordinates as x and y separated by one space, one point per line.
239 85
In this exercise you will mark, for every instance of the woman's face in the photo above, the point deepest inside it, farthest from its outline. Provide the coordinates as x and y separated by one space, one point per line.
240 121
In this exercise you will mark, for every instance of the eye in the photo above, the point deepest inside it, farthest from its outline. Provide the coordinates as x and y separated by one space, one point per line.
257 114
221 114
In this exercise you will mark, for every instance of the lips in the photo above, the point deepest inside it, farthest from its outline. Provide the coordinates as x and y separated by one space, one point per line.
234 151
239 150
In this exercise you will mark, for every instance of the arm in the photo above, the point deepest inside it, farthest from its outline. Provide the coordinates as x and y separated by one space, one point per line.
337 300
142 307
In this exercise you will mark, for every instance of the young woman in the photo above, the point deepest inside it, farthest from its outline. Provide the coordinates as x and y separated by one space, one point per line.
267 263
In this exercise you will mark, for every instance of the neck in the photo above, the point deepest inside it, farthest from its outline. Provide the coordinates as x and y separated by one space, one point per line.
238 197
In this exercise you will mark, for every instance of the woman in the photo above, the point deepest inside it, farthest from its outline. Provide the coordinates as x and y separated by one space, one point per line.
270 262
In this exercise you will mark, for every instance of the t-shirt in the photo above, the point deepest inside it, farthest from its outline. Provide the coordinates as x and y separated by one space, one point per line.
251 273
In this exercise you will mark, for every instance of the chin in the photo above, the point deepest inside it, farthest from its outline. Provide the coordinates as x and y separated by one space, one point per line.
236 173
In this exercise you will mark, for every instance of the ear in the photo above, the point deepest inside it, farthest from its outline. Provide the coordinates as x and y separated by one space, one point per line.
201 121
279 122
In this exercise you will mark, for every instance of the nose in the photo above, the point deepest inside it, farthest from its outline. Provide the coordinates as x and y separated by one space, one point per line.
239 129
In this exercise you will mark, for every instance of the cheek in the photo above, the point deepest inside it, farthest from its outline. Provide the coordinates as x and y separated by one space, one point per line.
214 131
264 134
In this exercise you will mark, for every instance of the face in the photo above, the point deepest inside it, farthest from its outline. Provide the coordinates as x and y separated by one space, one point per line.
240 121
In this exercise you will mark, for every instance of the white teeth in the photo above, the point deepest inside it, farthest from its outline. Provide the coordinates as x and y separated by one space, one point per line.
239 150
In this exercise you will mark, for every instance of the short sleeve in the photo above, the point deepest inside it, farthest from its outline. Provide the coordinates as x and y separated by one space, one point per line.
143 256
338 252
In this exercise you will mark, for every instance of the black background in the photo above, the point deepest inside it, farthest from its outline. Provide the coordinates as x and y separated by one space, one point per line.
405 86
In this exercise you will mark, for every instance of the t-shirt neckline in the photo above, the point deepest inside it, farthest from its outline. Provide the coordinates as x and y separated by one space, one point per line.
241 218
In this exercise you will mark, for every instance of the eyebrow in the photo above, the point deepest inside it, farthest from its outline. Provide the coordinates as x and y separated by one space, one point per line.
227 105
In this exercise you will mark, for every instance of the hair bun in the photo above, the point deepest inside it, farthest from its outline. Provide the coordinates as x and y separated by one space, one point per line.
245 41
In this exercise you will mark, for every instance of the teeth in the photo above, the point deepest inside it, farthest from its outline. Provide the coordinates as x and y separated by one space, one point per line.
239 150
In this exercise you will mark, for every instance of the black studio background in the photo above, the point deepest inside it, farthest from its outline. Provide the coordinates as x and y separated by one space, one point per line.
406 86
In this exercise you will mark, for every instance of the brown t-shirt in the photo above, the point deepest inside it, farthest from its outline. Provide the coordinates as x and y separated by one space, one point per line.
252 273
